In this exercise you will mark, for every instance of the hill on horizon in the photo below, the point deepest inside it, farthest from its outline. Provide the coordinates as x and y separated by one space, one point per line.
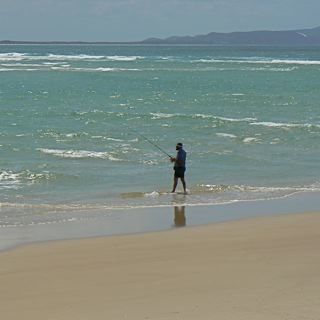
264 37
300 37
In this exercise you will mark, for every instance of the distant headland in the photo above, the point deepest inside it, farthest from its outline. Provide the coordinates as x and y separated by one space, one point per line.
301 37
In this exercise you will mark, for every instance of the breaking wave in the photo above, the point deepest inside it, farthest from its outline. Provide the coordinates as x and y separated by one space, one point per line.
201 116
15 56
285 125
15 180
80 154
261 61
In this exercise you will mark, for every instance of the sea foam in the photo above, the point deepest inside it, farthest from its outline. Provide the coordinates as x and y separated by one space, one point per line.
226 135
79 154
284 125
15 180
259 60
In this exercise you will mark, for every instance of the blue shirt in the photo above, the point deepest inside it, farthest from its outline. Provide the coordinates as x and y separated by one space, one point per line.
180 159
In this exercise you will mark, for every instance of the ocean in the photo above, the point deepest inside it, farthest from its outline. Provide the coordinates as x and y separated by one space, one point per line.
76 120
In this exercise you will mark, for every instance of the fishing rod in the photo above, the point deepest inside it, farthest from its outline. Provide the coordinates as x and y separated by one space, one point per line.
148 140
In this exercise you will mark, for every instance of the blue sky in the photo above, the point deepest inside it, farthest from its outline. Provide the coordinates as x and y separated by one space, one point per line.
131 20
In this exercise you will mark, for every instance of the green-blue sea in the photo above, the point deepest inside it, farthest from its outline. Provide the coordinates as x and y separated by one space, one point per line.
76 122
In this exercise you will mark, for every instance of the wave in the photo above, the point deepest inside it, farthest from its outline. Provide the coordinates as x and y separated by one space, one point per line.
200 195
15 180
300 62
100 69
17 69
79 154
277 69
226 135
57 135
285 125
65 68
215 188
15 56
9 180
281 190
12 56
68 57
204 194
251 140
21 65
261 61
52 58
68 68
234 119
160 115
124 58
209 116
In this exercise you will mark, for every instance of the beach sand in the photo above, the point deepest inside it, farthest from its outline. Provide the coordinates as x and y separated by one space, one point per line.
261 268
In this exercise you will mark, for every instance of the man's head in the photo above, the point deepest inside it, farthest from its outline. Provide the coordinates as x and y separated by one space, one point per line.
179 146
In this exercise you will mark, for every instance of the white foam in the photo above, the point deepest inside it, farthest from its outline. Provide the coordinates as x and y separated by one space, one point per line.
300 62
226 135
21 65
22 135
79 154
235 119
261 61
285 125
150 162
153 194
103 69
77 69
251 140
69 57
17 69
14 180
114 139
162 115
12 56
11 177
302 34
51 63
123 58
71 135
209 116
212 60
259 189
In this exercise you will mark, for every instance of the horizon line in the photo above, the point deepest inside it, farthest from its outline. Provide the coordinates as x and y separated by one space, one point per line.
8 41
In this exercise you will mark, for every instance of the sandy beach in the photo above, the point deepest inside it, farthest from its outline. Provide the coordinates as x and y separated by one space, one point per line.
261 268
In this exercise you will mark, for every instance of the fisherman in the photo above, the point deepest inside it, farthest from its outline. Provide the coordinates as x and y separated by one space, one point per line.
179 167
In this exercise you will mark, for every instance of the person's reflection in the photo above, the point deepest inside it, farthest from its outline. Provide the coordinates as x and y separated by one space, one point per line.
179 216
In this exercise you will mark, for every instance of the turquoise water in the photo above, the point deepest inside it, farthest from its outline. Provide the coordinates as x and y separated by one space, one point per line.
72 119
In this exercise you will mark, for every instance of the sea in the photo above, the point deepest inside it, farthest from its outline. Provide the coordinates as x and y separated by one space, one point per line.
88 128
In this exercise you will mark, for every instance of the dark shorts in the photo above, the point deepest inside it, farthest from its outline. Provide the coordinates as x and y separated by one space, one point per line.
179 172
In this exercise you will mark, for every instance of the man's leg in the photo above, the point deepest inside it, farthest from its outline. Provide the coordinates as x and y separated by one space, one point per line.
175 183
184 185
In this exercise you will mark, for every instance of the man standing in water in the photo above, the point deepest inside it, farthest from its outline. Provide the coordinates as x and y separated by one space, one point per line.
179 167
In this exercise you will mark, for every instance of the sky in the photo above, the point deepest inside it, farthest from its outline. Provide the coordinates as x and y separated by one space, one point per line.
134 20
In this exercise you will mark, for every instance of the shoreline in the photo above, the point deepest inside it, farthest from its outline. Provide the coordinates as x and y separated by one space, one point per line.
265 267
97 223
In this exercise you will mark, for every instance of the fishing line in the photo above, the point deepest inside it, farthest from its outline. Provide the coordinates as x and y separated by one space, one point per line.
147 139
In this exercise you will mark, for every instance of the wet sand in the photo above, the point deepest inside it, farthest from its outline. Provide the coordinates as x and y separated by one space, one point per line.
259 268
